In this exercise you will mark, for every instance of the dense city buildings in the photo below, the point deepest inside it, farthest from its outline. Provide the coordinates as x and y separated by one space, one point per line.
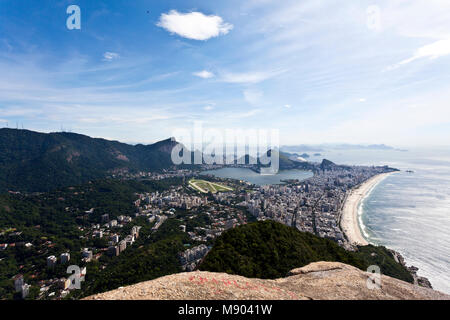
190 258
313 205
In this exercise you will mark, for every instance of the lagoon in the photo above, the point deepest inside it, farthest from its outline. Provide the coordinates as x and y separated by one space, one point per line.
258 179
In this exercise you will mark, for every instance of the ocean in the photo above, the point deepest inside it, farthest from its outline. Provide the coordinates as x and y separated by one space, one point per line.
408 212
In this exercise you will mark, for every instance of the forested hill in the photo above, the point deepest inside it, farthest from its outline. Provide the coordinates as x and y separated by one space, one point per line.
33 161
269 250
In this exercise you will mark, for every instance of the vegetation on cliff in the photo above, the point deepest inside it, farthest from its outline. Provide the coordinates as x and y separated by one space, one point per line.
33 161
269 250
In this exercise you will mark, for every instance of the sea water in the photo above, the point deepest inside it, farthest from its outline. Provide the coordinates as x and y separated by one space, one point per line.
409 212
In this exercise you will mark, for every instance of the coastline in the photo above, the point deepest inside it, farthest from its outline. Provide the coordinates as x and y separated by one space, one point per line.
349 219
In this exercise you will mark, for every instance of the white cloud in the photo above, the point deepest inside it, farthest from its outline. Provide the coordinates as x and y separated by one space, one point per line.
417 19
432 51
251 113
362 100
194 25
110 56
249 77
17 111
287 106
253 96
247 114
204 74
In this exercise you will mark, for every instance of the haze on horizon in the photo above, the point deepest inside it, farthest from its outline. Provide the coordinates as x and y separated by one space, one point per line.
319 71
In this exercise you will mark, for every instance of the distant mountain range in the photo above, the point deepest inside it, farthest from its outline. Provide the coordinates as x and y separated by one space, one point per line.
342 146
33 161
286 160
36 162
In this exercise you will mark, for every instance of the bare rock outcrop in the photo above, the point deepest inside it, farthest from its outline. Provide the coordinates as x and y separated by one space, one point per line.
317 281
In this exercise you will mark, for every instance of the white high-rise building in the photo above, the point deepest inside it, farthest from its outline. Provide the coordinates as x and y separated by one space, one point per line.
51 261
18 282
65 257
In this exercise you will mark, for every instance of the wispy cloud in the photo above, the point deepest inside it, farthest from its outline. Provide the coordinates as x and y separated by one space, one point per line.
416 18
250 77
194 25
204 74
241 115
253 96
432 51
136 119
110 56
310 67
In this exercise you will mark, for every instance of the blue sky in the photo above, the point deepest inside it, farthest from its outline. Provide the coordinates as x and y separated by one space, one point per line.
319 71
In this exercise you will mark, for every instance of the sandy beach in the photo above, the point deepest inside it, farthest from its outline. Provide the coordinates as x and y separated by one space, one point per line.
349 218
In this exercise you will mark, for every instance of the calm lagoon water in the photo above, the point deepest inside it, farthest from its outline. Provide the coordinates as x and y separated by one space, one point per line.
258 179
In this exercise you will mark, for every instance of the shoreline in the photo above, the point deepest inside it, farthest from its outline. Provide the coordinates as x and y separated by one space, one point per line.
349 221
350 224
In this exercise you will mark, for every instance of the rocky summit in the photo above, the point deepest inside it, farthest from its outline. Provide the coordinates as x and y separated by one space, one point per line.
316 281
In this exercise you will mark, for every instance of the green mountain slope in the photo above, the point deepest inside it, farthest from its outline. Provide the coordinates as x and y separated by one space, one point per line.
32 161
269 250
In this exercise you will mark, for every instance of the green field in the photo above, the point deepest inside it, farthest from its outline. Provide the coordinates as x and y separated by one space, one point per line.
207 186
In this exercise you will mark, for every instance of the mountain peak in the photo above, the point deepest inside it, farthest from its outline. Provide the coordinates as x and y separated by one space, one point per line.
71 158
327 164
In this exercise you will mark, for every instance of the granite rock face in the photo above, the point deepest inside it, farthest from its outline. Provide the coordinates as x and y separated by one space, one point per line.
316 281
